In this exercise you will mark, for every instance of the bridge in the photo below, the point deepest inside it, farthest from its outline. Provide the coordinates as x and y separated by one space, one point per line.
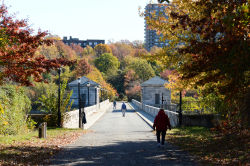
121 141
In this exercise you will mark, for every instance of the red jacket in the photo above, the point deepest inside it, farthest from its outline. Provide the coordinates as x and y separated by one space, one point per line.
161 121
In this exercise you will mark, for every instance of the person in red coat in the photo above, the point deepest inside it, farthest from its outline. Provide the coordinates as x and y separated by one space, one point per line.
161 123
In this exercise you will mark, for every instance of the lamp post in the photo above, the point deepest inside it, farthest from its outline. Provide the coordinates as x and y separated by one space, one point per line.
59 100
79 103
162 100
96 95
142 98
88 85
101 95
180 110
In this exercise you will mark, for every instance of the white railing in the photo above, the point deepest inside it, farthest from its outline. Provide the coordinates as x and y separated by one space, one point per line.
173 116
72 117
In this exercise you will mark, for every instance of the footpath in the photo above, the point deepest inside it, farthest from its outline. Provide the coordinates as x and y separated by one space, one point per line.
116 140
95 116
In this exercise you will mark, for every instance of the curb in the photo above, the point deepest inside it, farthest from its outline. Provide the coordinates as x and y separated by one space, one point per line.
143 117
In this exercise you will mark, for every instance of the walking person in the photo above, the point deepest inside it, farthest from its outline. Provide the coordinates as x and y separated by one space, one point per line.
123 109
114 104
161 124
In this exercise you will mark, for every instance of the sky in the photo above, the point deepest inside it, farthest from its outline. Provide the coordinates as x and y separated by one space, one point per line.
111 20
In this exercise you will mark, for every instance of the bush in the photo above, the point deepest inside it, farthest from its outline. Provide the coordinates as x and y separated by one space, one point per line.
31 124
16 105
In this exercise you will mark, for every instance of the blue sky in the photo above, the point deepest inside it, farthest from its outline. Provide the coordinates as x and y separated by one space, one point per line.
85 19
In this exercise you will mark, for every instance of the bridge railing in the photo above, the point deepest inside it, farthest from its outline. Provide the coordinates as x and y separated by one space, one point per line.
173 116
72 117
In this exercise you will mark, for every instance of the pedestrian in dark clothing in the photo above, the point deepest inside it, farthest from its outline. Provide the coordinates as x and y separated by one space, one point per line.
161 124
114 104
124 108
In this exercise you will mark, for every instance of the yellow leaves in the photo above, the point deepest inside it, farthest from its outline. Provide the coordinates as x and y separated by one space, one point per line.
1 109
2 120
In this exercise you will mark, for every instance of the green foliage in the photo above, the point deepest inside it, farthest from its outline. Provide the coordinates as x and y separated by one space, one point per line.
41 89
31 124
117 81
16 105
190 104
107 63
142 68
49 104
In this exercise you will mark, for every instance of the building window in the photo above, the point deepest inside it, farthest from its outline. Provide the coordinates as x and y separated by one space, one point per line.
90 43
95 43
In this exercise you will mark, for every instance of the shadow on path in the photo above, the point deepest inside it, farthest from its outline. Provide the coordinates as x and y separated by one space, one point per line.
143 152
127 111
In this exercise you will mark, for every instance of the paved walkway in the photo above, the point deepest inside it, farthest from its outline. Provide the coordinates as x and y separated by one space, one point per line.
120 141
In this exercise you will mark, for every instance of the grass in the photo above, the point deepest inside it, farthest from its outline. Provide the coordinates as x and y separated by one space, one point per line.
28 149
209 147
33 135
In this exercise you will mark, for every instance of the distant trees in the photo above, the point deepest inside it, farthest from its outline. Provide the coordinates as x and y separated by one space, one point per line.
101 49
107 63
142 68
121 50
83 68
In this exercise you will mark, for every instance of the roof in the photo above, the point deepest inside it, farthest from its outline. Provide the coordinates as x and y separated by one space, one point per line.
84 81
155 81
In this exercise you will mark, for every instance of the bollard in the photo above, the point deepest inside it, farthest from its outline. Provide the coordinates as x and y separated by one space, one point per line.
42 130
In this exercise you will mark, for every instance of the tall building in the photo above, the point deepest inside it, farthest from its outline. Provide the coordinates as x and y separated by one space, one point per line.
83 43
151 38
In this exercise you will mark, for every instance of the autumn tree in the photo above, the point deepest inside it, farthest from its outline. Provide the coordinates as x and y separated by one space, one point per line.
18 45
142 68
88 51
96 76
132 85
83 67
212 39
78 49
107 63
120 50
101 49
65 51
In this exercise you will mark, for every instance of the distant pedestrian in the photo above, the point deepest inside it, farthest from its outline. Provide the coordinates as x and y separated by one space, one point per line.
161 123
114 104
123 109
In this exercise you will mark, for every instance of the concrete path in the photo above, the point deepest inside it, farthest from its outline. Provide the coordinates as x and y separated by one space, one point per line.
120 141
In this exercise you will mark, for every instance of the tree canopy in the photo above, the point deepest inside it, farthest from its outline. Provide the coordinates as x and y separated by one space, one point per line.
209 47
107 63
17 51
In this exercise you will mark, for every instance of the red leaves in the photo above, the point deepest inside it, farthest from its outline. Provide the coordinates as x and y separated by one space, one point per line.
17 52
83 68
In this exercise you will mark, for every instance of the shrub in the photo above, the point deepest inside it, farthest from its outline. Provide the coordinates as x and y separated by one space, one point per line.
15 104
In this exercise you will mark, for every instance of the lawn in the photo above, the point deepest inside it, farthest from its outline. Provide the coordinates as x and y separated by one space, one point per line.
211 148
28 149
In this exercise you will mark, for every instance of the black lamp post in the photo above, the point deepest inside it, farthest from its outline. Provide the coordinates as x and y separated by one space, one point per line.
180 110
162 100
79 103
96 95
88 85
101 95
59 100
